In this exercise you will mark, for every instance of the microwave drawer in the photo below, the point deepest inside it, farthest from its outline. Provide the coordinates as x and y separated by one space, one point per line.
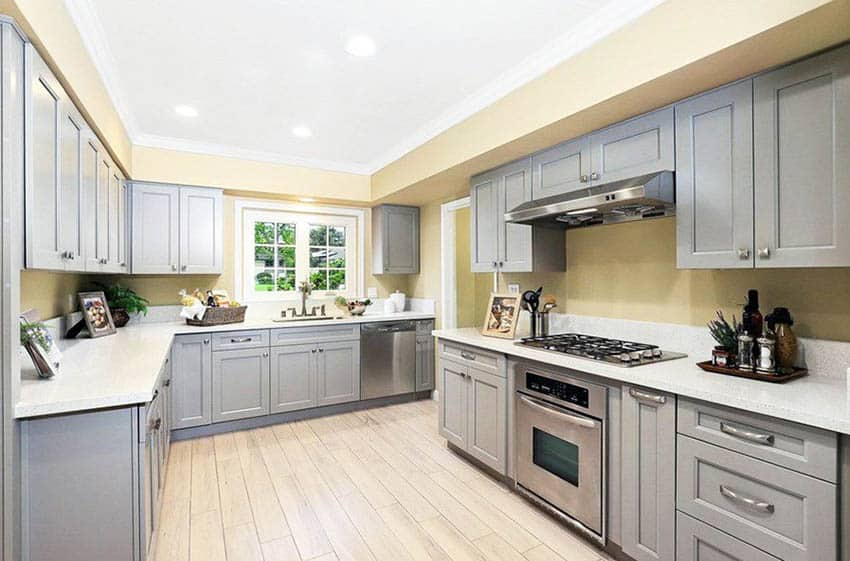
787 514
805 449
697 541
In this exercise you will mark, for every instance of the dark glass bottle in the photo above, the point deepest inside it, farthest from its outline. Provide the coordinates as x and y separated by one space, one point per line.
752 320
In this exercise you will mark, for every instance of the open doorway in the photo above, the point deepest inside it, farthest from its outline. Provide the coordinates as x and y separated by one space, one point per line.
459 302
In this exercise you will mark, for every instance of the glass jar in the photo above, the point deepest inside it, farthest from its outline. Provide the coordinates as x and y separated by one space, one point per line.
766 361
745 352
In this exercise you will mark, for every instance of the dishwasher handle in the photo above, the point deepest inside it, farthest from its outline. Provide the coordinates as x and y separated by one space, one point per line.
387 327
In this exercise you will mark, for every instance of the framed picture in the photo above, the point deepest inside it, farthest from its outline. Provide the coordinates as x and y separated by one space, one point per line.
39 344
96 314
502 316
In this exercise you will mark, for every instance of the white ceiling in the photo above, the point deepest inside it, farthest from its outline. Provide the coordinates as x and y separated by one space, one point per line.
255 69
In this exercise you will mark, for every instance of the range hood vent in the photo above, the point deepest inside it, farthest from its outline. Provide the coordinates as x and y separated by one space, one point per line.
647 196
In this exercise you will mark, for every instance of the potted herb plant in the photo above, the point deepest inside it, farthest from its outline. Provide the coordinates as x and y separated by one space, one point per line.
726 351
123 301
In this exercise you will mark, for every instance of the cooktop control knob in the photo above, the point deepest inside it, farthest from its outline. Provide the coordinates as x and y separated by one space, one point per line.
656 352
635 355
647 353
625 357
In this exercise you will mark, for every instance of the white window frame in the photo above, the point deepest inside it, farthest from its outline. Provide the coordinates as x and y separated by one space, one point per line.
249 210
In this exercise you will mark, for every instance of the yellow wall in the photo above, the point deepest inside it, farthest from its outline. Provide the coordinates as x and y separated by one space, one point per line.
464 277
52 294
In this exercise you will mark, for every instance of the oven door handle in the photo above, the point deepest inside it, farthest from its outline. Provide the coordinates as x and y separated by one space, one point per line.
573 419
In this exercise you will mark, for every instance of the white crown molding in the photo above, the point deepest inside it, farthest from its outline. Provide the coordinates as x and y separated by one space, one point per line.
207 148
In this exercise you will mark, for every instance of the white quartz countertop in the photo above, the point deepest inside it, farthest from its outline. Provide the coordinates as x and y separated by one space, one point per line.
122 369
818 401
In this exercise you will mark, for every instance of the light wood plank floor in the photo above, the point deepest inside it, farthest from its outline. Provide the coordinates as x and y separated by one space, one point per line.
376 485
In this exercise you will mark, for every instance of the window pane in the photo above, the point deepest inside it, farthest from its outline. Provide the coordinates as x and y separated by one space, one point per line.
264 280
318 257
319 279
263 232
336 257
336 236
336 279
318 234
286 280
263 256
286 234
286 257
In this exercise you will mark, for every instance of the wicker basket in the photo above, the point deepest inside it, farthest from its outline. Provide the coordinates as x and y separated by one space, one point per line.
220 316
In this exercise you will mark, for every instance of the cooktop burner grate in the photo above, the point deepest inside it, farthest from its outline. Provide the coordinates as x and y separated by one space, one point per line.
615 351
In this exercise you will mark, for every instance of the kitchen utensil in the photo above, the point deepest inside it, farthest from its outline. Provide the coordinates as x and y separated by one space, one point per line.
540 326
532 298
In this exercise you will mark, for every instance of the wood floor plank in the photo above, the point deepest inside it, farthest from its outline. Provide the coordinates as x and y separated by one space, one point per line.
172 541
415 539
381 540
309 537
412 501
465 521
282 549
207 537
204 483
495 548
303 432
235 507
453 543
225 446
347 542
364 478
332 473
241 543
178 472
542 553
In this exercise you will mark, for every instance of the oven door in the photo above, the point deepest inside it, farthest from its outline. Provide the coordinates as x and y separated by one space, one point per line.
559 459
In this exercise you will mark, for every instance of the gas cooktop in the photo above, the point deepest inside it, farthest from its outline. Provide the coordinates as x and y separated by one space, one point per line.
614 351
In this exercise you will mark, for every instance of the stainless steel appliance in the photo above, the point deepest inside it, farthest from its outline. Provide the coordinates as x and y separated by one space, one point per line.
647 196
561 446
387 358
615 351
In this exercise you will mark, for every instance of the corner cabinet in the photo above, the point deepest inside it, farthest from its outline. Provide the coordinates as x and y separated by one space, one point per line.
500 246
176 230
648 475
395 240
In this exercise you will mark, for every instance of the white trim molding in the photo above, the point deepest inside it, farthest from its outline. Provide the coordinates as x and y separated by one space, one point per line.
448 296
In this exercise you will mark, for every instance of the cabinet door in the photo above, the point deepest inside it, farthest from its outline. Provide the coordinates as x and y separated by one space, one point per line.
155 229
338 372
240 384
802 163
44 249
293 377
561 169
424 363
191 377
648 475
200 230
696 541
453 402
487 408
484 210
514 239
114 222
71 132
93 222
714 179
122 223
401 239
104 175
637 147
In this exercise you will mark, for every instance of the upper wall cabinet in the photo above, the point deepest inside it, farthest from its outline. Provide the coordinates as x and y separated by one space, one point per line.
500 246
802 163
395 240
176 229
714 179
561 169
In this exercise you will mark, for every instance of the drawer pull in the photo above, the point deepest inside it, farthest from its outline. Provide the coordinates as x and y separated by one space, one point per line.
467 355
765 439
646 396
755 504
241 339
562 414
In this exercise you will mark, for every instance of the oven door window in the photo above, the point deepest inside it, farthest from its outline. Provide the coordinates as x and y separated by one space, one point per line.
557 456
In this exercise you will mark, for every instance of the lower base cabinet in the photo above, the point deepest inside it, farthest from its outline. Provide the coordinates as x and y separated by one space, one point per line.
293 377
424 363
697 541
338 372
240 384
191 387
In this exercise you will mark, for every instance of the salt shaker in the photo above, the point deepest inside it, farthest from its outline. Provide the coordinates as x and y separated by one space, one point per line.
745 352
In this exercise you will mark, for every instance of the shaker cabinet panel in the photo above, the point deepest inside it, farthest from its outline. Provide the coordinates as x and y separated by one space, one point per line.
200 230
697 541
240 384
424 362
71 132
90 163
395 240
636 147
155 229
293 377
484 221
561 169
515 250
191 381
104 177
486 417
453 403
802 163
338 372
714 179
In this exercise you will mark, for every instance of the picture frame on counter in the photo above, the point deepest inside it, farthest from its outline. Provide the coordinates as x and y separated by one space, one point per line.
96 314
502 316
39 344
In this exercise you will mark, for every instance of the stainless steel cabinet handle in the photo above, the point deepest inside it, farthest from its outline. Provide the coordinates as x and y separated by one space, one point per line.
468 355
646 396
314 350
123 265
157 424
173 267
241 339
594 176
167 383
743 434
573 419
764 253
753 503
183 268
743 253
583 178
265 355
206 341
501 263
321 350
495 264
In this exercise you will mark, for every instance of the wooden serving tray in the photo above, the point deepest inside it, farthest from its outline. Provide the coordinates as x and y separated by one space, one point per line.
773 378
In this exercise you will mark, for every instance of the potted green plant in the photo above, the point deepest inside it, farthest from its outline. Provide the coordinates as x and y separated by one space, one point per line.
726 351
123 301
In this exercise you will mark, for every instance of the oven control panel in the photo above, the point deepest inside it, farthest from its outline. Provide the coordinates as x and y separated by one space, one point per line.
564 391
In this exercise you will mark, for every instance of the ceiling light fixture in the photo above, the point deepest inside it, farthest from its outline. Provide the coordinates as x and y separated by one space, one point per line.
302 132
361 45
186 111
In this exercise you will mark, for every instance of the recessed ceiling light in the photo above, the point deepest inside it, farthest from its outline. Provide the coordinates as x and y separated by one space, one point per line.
186 111
361 45
302 132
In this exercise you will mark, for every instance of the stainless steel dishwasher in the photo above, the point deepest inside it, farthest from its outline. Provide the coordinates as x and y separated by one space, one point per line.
387 358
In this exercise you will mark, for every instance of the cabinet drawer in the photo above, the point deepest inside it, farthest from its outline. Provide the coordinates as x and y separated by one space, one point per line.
232 340
484 360
804 449
696 541
307 335
785 513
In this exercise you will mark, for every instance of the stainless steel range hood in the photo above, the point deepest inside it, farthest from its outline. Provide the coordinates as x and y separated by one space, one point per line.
647 196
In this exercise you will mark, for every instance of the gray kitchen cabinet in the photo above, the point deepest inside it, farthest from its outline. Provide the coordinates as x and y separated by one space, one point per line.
802 163
501 246
697 541
714 179
104 177
487 418
632 148
453 403
293 377
424 363
561 169
155 234
240 384
191 381
338 372
201 226
121 261
395 240
648 474
72 129
95 222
